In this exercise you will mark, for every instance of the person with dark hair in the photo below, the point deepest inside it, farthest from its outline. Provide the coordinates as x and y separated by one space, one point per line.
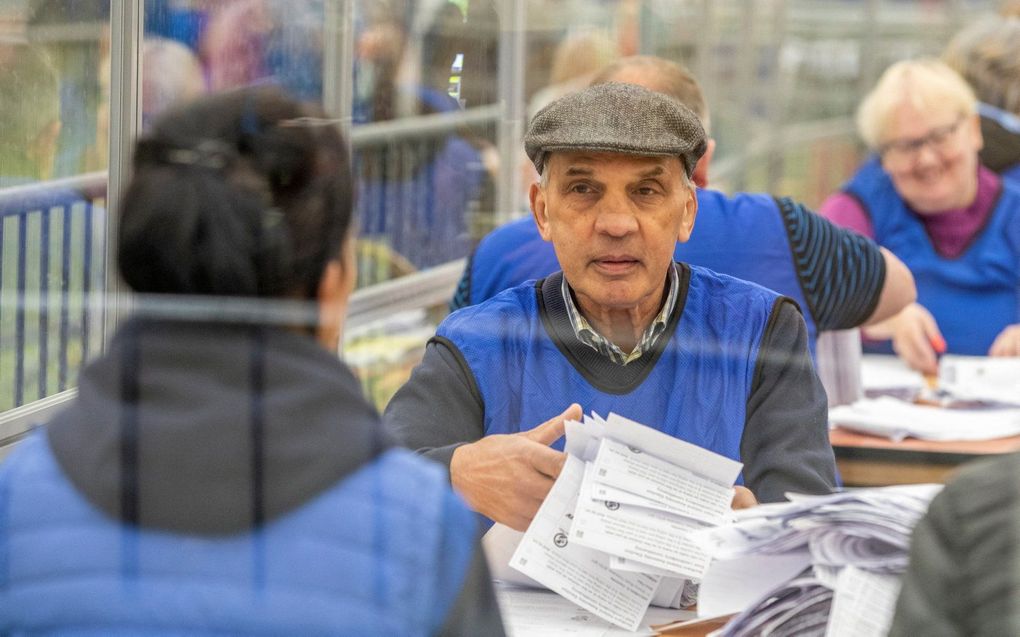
838 278
219 471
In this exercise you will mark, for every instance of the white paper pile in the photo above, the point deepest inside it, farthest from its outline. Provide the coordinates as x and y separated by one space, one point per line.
855 543
613 533
543 613
897 419
981 378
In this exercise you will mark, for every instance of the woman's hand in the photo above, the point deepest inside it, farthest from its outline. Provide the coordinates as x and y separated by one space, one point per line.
915 337
1007 343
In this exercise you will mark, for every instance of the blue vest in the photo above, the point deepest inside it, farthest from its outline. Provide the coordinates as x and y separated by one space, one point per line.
383 552
742 236
697 389
973 296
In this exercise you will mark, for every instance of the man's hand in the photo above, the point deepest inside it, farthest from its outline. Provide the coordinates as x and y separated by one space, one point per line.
1007 343
915 338
743 498
507 476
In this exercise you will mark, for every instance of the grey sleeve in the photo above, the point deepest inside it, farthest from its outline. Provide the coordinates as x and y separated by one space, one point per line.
439 408
925 605
962 578
785 446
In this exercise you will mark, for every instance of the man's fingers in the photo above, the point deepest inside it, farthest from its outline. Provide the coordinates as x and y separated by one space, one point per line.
552 430
743 498
547 461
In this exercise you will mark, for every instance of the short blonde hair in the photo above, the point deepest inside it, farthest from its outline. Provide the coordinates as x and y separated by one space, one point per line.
926 84
987 54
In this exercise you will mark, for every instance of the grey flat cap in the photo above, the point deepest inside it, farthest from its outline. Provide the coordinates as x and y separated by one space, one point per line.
617 118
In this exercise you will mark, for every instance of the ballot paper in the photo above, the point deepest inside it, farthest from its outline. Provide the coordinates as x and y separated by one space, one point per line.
619 469
863 604
534 613
609 556
799 607
897 419
981 378
636 533
578 573
732 585
856 543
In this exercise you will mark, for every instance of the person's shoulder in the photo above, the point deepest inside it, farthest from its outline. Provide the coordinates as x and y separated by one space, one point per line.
30 460
723 285
509 237
983 486
511 301
740 202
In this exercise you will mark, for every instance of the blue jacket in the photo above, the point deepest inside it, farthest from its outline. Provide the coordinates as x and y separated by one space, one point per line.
163 518
972 296
696 388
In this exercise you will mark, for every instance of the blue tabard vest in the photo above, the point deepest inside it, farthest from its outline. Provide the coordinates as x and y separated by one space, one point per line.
361 558
758 251
973 296
696 390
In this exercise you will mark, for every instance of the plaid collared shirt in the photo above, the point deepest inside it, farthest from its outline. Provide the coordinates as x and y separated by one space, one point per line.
587 334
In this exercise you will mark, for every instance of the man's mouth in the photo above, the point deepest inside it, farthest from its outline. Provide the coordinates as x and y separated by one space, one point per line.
616 264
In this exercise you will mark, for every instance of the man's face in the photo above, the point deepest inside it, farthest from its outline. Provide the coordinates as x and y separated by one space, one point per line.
614 221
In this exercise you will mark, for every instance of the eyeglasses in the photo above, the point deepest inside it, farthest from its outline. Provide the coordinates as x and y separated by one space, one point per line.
903 152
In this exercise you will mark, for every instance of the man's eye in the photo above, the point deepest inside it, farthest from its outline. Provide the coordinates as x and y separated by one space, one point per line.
646 191
582 189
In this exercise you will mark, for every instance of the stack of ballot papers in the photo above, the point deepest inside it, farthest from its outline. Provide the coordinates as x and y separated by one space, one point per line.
897 419
981 378
613 533
817 565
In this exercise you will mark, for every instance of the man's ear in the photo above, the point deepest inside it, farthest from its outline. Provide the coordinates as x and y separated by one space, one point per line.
537 197
331 296
690 211
700 176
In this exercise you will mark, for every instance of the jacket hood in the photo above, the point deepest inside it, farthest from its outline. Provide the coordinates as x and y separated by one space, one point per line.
212 429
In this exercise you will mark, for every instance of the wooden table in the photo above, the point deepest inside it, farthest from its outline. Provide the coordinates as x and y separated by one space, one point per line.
868 461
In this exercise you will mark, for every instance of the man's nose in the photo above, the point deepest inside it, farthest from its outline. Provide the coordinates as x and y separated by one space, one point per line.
616 216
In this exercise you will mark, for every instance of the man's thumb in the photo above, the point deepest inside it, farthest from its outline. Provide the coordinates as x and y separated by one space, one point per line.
552 430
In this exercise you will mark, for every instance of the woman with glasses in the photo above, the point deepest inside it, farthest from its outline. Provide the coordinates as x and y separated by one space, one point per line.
219 472
925 196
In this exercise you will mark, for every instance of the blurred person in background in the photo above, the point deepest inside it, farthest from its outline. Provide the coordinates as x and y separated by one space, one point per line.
575 62
838 278
417 193
219 472
956 224
29 114
987 55
171 74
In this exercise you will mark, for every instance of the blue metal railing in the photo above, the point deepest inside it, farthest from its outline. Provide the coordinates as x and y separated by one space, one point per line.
63 219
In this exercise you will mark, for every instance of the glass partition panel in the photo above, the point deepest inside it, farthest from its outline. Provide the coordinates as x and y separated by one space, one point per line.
54 123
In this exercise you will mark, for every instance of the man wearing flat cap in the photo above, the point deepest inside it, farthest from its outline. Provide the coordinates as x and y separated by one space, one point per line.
713 360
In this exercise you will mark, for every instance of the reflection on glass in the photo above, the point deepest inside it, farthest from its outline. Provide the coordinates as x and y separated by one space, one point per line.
54 84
